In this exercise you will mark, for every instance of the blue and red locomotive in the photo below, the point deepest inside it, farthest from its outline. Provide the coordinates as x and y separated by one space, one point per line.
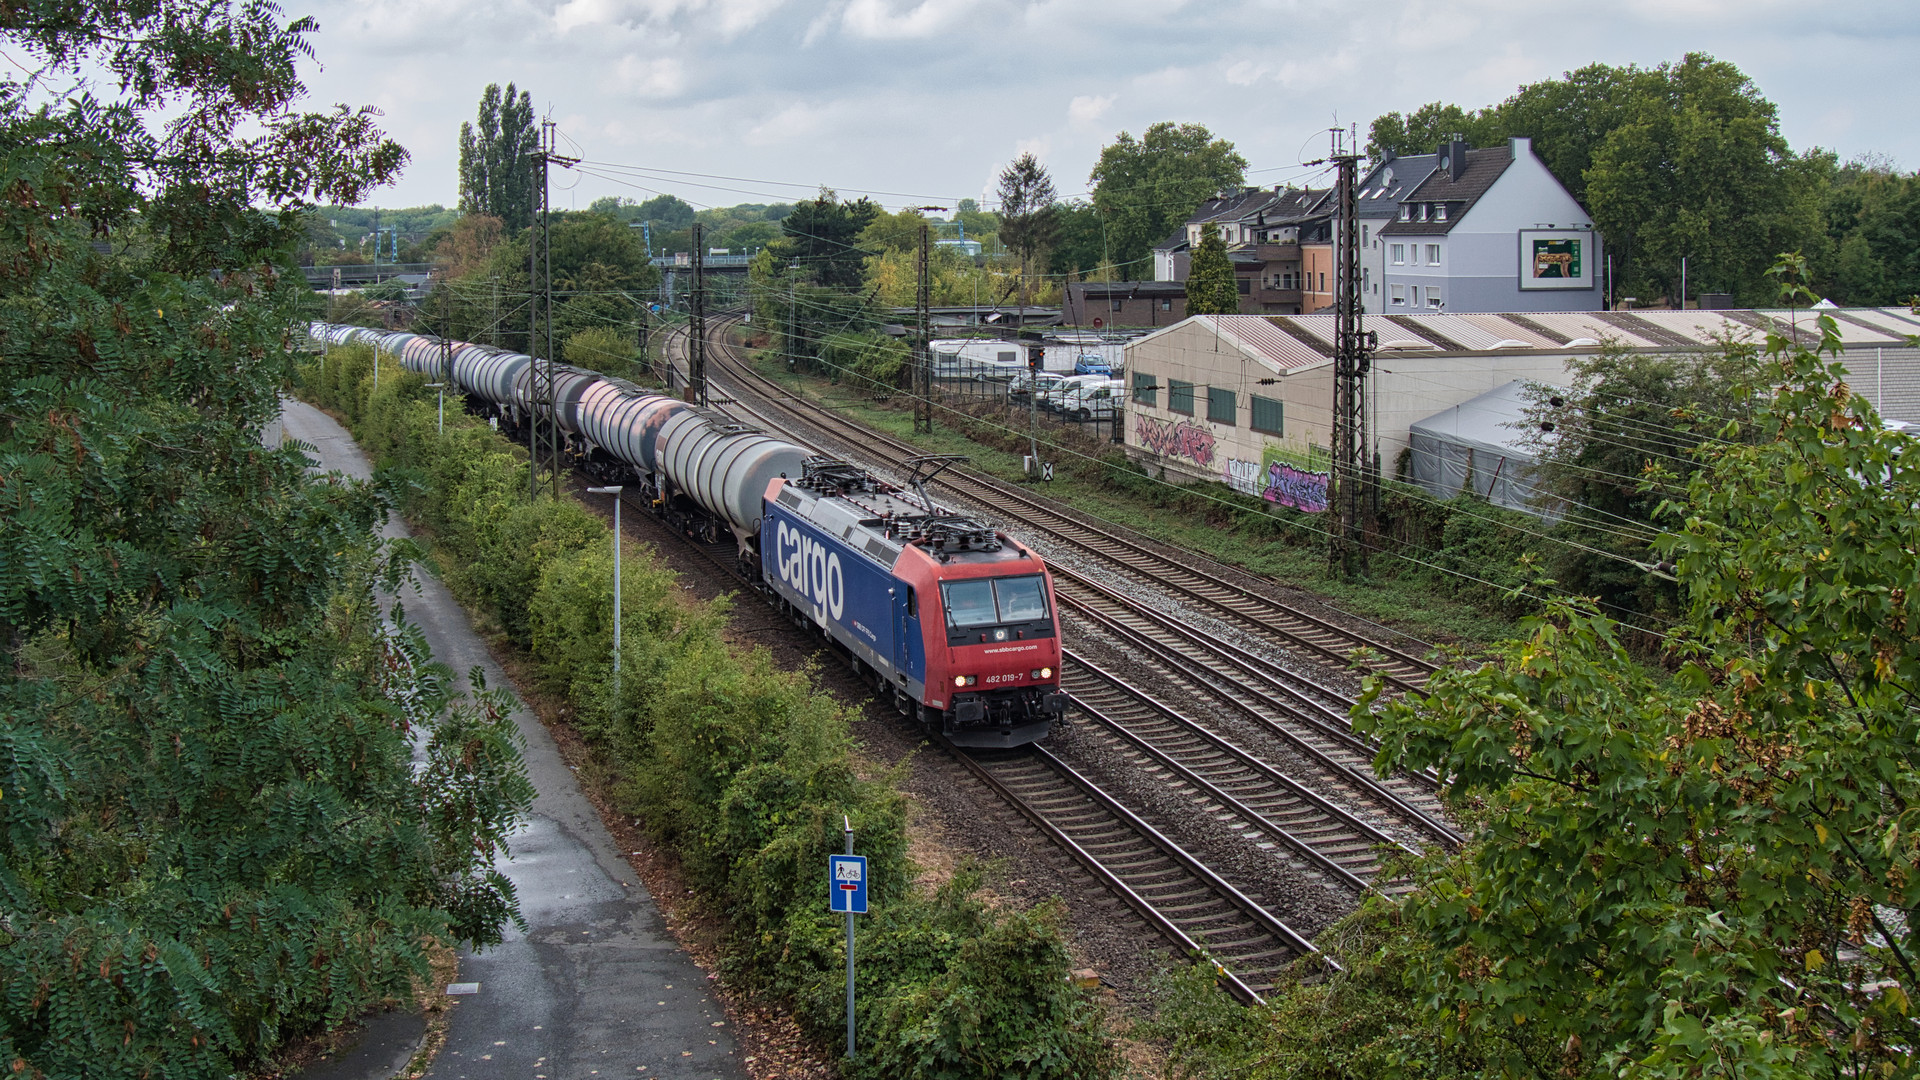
953 621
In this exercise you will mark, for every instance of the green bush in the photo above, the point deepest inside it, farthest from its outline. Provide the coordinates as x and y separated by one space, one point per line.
738 765
602 348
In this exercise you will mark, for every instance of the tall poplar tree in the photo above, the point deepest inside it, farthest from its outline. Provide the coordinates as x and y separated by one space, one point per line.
1211 289
496 157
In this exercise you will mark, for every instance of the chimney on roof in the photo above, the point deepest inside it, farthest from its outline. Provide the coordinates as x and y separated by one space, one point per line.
1453 156
1519 146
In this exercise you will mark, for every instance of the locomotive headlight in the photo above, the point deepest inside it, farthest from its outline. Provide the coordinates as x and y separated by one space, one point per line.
1046 673
965 680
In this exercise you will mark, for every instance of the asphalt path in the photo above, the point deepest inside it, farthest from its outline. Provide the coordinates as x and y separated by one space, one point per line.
596 985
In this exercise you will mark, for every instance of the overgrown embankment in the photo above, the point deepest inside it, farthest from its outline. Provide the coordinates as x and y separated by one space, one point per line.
737 765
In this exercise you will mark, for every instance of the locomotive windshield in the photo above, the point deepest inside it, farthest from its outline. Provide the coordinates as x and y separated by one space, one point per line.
986 601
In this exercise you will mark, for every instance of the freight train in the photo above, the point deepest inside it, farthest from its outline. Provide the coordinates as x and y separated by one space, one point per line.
952 620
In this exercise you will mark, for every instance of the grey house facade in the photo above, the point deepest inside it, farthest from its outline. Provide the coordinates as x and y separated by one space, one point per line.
1482 231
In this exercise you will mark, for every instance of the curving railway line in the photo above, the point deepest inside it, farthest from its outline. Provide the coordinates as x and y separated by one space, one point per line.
1334 817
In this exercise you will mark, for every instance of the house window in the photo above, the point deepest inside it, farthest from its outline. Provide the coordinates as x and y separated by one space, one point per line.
1363 236
1440 212
1366 279
1433 297
1180 396
1221 406
1145 392
1399 294
1416 296
1406 211
1399 254
1323 281
1117 305
1433 254
1166 305
1268 416
1246 286
1423 211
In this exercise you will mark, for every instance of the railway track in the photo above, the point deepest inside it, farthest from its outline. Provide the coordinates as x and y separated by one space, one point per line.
1303 712
1167 886
1170 887
1258 616
1300 711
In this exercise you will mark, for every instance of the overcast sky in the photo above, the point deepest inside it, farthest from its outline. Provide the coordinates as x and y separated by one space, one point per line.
925 102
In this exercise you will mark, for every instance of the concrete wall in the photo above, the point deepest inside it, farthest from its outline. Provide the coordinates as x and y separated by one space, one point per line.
1191 447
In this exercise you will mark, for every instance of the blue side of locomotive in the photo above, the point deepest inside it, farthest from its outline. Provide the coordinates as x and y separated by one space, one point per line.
845 590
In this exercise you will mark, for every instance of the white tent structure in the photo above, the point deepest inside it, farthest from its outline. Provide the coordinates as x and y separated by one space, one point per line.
1481 438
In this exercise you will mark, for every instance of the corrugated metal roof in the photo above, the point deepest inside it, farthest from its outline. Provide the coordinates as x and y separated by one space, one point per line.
1292 342
1503 328
1586 324
1263 336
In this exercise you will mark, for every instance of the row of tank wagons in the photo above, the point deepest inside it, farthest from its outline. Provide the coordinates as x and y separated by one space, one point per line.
712 476
707 473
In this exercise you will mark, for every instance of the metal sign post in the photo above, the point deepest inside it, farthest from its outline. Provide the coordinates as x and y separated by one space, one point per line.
847 893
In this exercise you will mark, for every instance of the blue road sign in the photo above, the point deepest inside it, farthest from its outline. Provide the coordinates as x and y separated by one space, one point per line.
847 884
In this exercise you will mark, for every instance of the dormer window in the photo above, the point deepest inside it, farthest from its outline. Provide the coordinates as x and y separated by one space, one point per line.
1406 212
1439 211
1423 211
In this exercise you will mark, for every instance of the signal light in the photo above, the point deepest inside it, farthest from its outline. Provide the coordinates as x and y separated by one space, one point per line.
965 680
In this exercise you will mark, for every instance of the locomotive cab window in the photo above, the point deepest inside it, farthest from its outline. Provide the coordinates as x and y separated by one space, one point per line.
991 601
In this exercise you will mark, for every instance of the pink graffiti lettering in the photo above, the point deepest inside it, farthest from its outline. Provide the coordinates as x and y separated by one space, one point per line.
1289 486
1185 440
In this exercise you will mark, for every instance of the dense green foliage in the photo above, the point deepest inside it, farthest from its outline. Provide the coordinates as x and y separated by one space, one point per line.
1144 188
1706 875
1210 286
741 767
601 280
819 237
1686 160
1625 419
213 834
498 170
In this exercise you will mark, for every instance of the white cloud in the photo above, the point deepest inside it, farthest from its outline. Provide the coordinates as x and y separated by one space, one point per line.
879 19
930 96
1088 109
659 77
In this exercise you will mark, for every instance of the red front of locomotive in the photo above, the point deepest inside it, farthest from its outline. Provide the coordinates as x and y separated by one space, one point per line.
991 632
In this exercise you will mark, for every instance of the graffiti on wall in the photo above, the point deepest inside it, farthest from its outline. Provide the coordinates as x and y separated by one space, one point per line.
1245 477
1187 439
1297 488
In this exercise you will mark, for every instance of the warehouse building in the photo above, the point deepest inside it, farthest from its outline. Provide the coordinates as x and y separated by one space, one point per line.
1247 400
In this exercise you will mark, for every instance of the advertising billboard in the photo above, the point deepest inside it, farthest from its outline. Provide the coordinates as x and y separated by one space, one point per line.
1557 258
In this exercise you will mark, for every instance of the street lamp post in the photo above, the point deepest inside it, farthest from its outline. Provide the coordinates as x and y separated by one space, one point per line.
615 492
440 391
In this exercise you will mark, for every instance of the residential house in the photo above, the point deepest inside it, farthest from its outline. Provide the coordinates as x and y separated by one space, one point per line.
1489 230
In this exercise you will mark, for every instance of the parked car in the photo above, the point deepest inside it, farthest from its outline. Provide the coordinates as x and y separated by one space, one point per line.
1051 397
1093 401
1091 364
1024 383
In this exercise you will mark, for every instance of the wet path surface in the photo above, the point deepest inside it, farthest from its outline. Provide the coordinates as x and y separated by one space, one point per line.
596 985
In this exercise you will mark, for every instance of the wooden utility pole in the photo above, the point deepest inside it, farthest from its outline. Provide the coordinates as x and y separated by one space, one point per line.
1352 359
697 322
